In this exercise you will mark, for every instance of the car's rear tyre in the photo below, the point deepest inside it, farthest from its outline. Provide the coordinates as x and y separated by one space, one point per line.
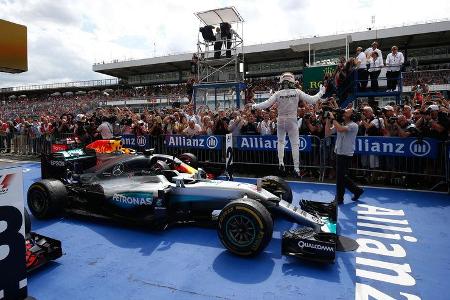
245 227
46 198
189 159
277 186
27 221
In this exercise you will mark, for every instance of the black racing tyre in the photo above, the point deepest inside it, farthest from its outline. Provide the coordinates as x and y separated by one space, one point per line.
245 227
159 166
189 159
277 186
46 198
27 221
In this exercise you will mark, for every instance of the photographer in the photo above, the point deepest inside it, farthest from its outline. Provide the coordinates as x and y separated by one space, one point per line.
310 124
344 148
401 127
372 126
433 123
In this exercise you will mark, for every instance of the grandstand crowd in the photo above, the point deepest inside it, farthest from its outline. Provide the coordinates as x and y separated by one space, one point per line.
24 120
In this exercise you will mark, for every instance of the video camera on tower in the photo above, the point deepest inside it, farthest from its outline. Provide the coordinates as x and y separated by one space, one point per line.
208 33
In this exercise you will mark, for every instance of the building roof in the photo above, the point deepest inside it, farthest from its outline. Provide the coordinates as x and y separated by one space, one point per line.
418 35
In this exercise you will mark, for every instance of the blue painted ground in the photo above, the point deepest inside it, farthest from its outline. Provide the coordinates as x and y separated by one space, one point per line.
106 261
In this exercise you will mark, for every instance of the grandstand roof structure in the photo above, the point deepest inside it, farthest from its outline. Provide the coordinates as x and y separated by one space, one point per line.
409 36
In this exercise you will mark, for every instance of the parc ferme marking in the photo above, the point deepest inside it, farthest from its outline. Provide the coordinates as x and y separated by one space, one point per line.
379 231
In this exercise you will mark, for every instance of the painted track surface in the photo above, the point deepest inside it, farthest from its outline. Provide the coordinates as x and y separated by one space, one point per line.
107 261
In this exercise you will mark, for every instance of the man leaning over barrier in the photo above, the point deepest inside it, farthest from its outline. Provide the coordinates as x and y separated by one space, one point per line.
287 100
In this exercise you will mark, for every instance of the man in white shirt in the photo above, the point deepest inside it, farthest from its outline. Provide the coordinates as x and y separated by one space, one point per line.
105 129
373 48
394 61
192 129
287 100
361 64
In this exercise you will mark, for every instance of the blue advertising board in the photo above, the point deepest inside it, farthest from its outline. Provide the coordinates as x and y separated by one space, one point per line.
210 142
269 143
396 146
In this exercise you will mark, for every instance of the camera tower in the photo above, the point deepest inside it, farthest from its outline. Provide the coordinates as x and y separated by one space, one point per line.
220 65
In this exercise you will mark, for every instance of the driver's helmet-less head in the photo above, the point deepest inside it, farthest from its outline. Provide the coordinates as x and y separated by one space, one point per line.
287 81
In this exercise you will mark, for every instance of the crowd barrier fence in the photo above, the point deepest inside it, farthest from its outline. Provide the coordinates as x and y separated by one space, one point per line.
396 159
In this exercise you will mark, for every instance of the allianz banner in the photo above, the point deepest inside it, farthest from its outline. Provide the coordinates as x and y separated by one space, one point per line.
393 146
198 142
269 143
134 141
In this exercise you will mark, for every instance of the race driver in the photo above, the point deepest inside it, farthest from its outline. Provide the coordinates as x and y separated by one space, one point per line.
287 99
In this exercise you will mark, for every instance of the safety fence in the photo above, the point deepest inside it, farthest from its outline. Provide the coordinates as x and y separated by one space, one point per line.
408 162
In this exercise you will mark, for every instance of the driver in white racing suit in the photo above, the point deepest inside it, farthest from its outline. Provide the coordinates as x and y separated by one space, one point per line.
287 103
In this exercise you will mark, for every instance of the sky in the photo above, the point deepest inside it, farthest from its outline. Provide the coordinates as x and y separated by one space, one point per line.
66 37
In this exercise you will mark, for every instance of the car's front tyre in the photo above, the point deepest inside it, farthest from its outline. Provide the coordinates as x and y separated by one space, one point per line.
245 227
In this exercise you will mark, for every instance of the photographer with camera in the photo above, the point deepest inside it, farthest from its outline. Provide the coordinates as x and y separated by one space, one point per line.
287 100
433 123
344 149
309 123
371 126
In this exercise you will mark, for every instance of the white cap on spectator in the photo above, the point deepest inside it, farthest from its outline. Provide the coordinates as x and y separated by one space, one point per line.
433 107
388 107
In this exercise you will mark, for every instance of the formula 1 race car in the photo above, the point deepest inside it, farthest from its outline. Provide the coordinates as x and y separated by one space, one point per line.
39 249
146 189
63 164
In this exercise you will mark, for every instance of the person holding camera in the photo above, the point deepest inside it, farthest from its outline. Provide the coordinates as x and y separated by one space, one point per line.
287 100
344 149
433 123
372 126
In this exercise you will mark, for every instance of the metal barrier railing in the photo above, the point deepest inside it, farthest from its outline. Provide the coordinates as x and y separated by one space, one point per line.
318 156
25 145
396 169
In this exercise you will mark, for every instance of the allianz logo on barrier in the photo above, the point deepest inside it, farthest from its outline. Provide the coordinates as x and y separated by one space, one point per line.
141 141
416 148
210 142
255 142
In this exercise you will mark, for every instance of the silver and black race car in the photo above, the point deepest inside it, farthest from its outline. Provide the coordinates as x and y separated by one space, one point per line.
148 189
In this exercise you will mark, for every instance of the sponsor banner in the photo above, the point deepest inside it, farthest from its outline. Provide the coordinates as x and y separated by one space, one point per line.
269 143
13 282
135 141
313 76
132 199
393 146
197 142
